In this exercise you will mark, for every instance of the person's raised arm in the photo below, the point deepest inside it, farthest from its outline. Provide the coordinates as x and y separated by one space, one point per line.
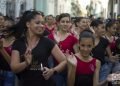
18 66
71 65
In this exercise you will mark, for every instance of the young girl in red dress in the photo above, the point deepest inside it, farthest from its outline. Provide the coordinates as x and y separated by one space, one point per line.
83 69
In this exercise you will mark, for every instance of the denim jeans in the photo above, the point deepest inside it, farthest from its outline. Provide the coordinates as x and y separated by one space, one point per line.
1 78
105 71
60 79
9 78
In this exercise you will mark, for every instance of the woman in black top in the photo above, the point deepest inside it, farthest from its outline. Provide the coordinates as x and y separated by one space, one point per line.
31 51
100 49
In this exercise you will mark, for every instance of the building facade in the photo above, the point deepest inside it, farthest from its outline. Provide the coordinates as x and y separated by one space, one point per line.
113 8
105 8
14 8
3 6
44 6
54 7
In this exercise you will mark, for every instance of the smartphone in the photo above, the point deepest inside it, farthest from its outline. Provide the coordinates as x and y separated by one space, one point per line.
41 67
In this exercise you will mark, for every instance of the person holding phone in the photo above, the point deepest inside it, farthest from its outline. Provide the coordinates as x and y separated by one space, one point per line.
32 49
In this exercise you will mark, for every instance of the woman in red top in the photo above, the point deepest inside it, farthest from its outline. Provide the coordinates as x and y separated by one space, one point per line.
50 23
110 35
6 41
62 36
65 40
80 25
83 70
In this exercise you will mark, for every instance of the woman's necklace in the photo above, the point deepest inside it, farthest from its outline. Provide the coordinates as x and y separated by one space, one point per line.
110 38
31 44
58 37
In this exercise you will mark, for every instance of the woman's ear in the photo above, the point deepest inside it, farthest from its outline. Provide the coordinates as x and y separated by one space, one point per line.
28 24
77 23
93 45
94 28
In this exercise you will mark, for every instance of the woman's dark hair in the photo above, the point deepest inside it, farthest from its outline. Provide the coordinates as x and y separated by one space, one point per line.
78 19
42 14
64 15
56 18
1 14
21 25
10 28
86 34
48 16
110 23
96 23
8 18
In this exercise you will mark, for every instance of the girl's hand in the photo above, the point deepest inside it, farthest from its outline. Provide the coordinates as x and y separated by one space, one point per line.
71 59
28 57
114 58
117 57
71 64
47 73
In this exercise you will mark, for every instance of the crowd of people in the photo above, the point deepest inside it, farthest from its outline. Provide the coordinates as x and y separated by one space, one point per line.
39 50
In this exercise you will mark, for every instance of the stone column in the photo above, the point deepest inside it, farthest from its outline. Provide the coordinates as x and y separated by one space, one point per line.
119 7
3 7
29 4
17 8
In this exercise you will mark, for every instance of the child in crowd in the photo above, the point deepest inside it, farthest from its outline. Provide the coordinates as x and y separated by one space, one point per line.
83 69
